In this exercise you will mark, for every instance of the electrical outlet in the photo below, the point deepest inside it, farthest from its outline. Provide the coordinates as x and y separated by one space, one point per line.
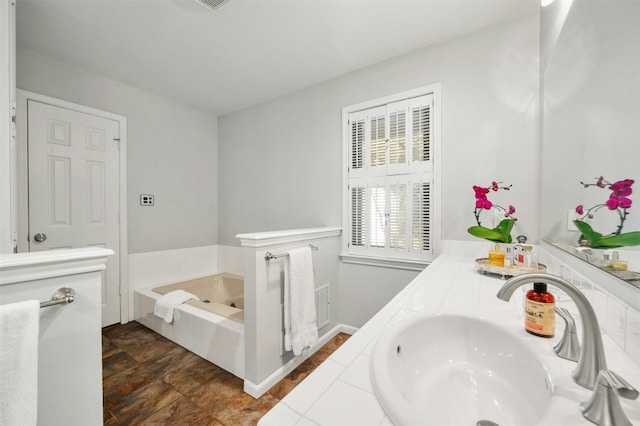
146 200
571 216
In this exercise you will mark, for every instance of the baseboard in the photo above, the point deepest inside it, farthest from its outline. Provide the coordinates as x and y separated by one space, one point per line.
257 390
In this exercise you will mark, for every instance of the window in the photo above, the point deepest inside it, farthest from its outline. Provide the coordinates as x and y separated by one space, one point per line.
389 148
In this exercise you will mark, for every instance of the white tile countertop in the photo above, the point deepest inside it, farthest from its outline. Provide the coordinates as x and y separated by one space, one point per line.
339 391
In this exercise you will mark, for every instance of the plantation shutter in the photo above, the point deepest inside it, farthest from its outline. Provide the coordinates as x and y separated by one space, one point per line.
378 216
357 144
398 216
358 216
421 216
390 180
421 134
397 138
377 142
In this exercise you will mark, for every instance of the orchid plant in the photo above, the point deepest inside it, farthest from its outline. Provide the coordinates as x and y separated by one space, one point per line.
618 202
502 232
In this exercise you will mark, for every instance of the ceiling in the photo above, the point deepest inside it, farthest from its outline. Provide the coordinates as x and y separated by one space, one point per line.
247 51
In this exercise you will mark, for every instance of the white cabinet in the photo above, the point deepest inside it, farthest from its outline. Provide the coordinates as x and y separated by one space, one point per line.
70 340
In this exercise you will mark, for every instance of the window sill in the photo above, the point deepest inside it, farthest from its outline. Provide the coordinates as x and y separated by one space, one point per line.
407 264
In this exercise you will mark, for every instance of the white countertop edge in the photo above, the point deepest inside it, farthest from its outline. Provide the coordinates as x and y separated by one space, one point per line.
22 267
263 239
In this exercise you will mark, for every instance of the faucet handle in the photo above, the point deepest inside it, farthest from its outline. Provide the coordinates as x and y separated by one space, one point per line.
603 408
568 347
624 388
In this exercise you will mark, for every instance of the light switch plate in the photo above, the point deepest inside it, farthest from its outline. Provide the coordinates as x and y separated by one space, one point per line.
146 200
571 216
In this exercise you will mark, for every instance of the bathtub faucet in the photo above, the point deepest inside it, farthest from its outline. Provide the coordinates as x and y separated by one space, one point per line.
592 358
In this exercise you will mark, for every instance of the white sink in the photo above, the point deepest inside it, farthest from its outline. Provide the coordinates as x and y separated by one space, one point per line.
455 370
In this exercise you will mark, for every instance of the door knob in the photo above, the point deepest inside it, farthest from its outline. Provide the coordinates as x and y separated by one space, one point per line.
40 237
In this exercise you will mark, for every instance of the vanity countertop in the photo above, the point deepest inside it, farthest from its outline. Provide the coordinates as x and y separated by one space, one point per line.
339 391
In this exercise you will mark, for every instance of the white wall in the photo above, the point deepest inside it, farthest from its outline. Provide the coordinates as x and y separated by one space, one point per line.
7 51
282 164
591 109
282 158
172 153
364 290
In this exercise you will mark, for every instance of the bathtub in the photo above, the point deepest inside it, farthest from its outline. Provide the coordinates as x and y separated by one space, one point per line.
221 294
212 327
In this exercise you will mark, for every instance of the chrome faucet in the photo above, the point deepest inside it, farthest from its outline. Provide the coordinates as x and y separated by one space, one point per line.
603 408
591 359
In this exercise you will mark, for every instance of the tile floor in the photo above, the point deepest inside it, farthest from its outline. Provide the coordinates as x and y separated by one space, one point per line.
149 380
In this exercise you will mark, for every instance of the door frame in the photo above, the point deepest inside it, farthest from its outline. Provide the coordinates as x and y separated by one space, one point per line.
23 97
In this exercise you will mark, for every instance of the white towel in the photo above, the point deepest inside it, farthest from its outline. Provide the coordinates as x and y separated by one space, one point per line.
300 328
166 304
19 328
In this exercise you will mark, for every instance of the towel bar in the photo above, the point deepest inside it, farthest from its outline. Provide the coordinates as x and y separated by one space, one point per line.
269 256
62 296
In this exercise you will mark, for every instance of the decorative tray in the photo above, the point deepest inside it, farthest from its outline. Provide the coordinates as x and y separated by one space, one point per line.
625 275
486 268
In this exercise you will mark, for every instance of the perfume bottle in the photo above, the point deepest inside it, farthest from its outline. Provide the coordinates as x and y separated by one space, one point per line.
540 316
508 259
496 257
522 253
616 263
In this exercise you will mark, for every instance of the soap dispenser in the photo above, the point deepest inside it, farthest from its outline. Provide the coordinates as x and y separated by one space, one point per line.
540 316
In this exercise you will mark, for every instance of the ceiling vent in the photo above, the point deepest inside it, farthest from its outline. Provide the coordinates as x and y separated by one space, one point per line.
213 4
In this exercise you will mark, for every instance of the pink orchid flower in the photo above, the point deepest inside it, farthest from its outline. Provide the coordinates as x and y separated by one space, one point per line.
483 204
622 188
614 202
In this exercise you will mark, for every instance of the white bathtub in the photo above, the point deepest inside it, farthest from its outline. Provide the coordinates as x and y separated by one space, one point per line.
211 328
221 294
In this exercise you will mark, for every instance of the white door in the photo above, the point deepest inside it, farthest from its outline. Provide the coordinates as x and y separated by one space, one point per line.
74 188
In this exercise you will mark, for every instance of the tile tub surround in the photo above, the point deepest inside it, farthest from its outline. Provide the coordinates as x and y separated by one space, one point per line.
340 390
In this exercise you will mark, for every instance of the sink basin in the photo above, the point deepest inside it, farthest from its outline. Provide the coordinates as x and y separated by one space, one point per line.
456 370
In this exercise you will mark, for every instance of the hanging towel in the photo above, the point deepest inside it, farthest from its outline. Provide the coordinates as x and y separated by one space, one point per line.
300 328
19 328
166 304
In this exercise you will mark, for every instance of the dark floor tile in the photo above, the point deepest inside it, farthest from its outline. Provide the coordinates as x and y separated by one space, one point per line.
161 356
212 396
191 372
143 344
108 348
108 419
117 363
136 406
150 380
244 410
120 385
120 330
180 412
